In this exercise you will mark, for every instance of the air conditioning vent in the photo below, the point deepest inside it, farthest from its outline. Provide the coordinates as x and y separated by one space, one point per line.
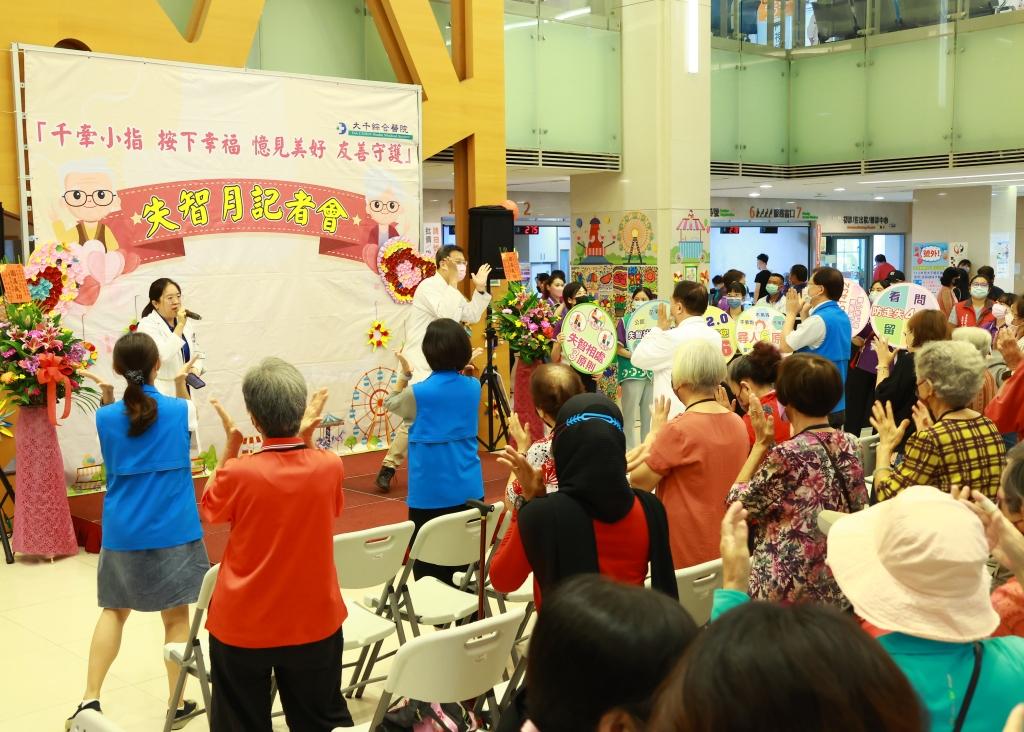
726 169
824 170
547 159
996 157
923 162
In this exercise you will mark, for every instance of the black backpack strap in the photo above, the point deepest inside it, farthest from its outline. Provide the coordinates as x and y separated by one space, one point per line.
979 651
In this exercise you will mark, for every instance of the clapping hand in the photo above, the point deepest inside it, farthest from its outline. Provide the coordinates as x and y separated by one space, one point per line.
663 320
481 276
659 416
186 369
529 477
313 415
890 434
1007 346
519 433
1004 540
106 390
735 550
922 417
722 397
884 351
763 425
403 362
234 435
793 302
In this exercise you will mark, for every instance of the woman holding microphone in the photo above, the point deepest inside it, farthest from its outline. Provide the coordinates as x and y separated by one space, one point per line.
166 321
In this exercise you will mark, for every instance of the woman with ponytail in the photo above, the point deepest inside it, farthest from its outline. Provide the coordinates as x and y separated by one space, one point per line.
153 558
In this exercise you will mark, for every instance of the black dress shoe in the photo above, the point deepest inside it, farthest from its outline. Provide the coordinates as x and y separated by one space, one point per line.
384 478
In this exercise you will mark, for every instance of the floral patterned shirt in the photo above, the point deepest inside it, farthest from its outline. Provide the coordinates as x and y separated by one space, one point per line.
796 481
539 456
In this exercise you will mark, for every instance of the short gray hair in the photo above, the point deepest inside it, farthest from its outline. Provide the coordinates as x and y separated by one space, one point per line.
977 337
698 364
275 395
955 369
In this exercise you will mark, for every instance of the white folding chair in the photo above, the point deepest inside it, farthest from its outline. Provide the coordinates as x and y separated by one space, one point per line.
451 665
449 541
189 655
89 720
696 586
365 559
867 447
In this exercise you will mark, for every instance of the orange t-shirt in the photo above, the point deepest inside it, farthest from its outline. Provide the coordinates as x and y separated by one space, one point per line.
277 584
781 427
699 456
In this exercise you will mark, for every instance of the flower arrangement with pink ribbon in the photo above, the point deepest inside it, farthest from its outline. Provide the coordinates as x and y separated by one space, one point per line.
42 361
526 322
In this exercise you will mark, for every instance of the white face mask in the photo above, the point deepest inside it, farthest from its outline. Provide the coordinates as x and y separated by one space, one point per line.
461 269
874 295
979 291
1000 310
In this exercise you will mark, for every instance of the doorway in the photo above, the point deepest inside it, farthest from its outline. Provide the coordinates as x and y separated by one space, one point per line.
854 255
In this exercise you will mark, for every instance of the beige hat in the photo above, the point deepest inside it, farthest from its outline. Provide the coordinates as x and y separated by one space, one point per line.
916 564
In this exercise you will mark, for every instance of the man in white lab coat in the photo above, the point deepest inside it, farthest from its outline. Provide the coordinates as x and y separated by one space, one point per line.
436 297
657 350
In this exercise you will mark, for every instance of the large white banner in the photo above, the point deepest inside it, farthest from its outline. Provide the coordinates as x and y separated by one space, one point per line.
286 207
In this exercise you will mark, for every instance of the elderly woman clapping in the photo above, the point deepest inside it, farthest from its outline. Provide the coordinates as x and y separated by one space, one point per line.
953 445
277 606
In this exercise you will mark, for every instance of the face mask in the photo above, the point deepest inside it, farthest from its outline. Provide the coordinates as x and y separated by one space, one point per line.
979 291
874 295
771 289
734 302
999 310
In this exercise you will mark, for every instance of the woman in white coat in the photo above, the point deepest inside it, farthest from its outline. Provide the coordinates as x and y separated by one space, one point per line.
165 320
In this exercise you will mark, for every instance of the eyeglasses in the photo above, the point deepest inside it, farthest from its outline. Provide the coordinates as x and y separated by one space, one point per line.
378 206
77 198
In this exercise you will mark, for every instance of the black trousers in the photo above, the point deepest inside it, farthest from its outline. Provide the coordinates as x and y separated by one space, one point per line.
420 516
308 679
836 419
860 395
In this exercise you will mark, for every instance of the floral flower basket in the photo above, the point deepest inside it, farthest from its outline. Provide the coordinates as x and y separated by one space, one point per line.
525 322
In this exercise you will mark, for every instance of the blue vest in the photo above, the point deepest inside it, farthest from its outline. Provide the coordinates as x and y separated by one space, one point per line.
444 464
150 501
837 345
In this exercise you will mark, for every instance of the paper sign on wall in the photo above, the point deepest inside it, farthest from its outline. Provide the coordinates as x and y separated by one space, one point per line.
590 340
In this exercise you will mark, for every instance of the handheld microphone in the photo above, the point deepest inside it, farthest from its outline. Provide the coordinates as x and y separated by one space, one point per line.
193 316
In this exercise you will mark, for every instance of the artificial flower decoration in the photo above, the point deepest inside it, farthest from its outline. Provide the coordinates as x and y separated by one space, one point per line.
6 412
54 272
402 269
526 322
378 335
132 326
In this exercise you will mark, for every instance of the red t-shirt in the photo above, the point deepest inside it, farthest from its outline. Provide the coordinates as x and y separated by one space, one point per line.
277 584
623 553
882 271
781 428
699 456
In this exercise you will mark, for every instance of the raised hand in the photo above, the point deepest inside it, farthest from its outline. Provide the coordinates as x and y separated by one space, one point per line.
890 434
922 417
734 549
663 320
403 362
233 434
1007 346
313 415
1004 540
763 425
186 369
793 302
481 277
529 477
884 351
722 397
659 415
520 433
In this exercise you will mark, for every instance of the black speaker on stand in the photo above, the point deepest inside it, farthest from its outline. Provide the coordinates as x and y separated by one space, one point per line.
491 231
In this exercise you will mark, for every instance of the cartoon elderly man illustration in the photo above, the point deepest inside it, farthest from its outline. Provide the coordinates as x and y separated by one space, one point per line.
88 196
383 206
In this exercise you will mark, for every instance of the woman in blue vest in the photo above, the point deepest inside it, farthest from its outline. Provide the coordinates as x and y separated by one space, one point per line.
153 558
825 329
444 466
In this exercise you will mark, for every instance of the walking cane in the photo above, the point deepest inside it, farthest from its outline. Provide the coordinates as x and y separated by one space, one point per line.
484 509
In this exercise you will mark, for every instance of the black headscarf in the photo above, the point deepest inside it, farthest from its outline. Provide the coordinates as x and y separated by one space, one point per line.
589 451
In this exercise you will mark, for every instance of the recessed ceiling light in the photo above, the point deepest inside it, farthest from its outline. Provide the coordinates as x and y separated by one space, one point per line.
879 198
943 193
758 195
790 203
766 185
838 190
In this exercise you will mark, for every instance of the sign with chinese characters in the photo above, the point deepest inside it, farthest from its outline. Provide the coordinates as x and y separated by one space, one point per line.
759 323
639 322
895 306
287 209
927 264
15 286
431 240
856 304
726 327
590 343
510 263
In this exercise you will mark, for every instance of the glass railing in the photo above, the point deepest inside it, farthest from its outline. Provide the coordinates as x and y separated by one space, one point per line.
788 24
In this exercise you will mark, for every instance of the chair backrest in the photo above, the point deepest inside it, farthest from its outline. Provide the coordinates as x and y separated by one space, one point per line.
453 540
867 447
206 591
371 557
89 720
697 586
472 658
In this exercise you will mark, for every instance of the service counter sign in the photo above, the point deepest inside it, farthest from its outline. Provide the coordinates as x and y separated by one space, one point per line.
726 327
761 323
897 305
590 340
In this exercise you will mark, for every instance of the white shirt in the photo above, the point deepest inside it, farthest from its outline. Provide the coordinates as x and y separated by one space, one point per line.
169 345
810 334
657 352
779 305
435 299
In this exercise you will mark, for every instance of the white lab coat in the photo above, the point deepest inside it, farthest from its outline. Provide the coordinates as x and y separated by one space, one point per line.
169 345
434 299
657 353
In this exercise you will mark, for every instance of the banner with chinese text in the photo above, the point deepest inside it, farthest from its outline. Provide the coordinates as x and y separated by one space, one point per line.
287 208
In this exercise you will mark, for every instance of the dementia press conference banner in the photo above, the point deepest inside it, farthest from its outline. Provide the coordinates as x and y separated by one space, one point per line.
287 208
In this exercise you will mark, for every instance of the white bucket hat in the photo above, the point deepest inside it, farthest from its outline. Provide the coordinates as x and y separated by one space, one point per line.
915 564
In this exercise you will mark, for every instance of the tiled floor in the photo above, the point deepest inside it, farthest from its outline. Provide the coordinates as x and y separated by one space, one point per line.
48 611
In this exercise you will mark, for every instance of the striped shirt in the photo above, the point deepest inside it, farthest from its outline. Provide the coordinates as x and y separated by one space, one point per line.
961 452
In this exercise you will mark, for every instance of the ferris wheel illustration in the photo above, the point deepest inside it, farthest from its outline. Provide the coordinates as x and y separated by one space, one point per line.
635 233
371 421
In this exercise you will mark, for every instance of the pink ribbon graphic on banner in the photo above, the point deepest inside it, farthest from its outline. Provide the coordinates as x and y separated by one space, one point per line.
155 219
